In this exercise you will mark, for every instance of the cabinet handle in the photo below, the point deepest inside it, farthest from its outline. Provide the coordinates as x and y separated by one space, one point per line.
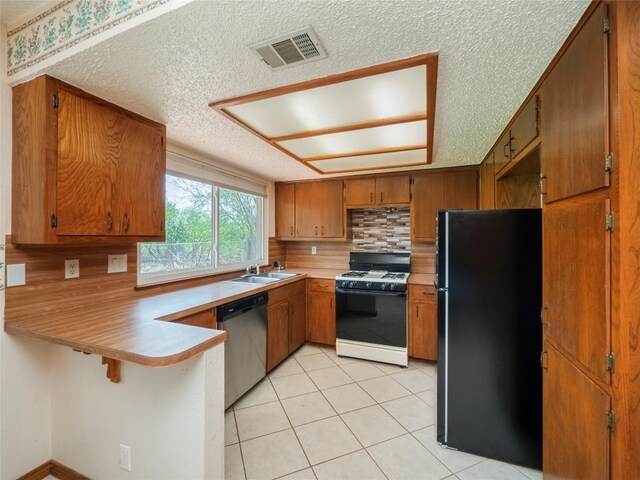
543 185
331 303
416 311
381 197
544 324
316 230
109 222
322 231
542 365
126 222
291 230
504 150
370 197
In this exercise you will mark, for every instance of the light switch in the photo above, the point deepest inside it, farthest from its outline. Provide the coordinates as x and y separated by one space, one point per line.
117 263
16 275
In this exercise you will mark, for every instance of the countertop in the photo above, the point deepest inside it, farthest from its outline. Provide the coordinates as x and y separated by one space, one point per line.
131 330
427 279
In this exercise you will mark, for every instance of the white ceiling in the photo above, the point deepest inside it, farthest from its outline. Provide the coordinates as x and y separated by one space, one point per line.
491 54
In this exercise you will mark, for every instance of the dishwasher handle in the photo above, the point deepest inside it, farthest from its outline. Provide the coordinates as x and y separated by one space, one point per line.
230 310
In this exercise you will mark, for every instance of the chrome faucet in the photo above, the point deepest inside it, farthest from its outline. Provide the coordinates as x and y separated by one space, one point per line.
250 269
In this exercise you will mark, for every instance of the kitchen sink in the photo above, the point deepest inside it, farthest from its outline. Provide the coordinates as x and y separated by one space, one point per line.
278 275
255 279
268 277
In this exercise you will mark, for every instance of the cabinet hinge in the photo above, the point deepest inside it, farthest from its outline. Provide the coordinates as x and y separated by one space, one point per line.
410 196
611 420
54 220
607 25
610 222
55 102
162 141
608 163
611 362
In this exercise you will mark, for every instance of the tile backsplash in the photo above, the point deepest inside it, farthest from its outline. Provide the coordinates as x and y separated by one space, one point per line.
381 229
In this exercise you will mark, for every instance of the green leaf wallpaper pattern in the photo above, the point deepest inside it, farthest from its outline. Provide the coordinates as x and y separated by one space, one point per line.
65 25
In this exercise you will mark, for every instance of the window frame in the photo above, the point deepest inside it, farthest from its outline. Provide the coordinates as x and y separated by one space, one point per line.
216 269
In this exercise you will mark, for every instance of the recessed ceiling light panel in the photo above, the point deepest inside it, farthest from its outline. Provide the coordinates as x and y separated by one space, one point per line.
294 48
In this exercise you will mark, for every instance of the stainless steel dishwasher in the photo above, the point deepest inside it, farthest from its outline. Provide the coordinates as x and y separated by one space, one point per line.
245 351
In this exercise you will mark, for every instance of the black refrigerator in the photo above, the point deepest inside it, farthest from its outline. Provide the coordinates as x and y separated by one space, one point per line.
489 284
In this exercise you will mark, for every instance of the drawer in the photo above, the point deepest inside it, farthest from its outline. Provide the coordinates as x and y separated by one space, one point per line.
206 319
321 285
278 294
422 292
297 288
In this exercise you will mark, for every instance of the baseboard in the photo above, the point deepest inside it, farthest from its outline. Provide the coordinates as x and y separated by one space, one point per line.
55 469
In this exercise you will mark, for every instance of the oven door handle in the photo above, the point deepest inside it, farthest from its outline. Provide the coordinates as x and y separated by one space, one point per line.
370 293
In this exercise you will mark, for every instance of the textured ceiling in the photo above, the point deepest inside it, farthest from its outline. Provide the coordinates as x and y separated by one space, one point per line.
15 11
491 54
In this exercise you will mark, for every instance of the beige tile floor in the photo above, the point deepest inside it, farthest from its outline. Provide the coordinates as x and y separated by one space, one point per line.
318 416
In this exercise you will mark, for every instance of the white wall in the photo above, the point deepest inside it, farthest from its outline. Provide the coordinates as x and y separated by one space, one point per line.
25 393
170 417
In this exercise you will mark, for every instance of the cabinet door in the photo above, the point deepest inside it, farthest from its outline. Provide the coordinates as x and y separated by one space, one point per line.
277 333
576 291
331 203
360 192
90 137
575 434
525 127
392 190
423 325
321 318
574 111
285 210
487 185
502 152
140 211
297 321
307 209
460 190
426 198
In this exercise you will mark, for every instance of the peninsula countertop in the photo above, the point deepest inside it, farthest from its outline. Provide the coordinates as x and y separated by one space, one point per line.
131 329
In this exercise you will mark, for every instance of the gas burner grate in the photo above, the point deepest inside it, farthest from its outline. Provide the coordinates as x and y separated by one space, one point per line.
354 273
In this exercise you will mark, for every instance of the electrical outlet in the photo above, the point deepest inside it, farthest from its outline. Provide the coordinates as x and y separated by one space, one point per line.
71 268
314 250
16 275
117 263
125 457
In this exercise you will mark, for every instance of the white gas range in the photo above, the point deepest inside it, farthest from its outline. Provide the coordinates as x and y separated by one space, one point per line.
371 307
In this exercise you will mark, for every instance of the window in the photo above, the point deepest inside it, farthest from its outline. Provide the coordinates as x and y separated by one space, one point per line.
209 229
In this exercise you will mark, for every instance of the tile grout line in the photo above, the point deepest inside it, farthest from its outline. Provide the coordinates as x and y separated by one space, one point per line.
235 421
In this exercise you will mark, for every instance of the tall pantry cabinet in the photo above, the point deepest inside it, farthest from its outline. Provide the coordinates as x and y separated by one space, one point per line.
590 144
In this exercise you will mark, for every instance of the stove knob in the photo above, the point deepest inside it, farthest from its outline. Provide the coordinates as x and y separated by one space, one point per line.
368 285
352 284
384 286
392 286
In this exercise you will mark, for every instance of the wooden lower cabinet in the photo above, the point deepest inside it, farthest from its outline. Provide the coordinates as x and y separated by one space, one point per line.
321 311
277 333
297 321
286 322
575 433
206 319
423 323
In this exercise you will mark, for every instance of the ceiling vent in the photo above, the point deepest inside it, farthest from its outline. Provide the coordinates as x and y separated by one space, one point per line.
295 48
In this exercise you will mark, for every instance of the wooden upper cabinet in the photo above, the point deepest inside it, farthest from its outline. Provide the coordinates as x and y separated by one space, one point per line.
285 210
460 190
393 190
502 152
525 127
319 210
487 184
89 137
430 192
576 285
84 169
331 202
360 192
576 440
426 199
574 123
377 191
